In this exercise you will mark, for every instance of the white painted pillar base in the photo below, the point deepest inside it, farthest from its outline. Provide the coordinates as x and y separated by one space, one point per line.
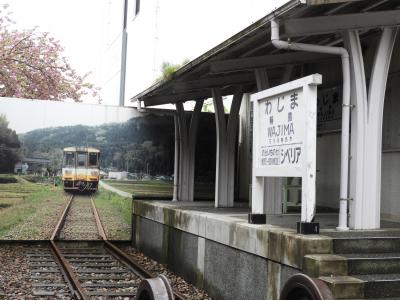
226 138
366 133
187 149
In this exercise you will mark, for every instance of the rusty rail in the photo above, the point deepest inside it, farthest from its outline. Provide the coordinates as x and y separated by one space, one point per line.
61 220
67 271
100 228
128 260
79 292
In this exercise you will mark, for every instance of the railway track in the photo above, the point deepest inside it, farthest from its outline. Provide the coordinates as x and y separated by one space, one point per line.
95 268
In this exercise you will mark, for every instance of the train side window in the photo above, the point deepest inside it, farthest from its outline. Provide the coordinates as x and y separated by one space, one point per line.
81 159
92 159
69 159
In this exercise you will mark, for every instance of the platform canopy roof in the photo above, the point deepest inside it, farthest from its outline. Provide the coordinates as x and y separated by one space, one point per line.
233 61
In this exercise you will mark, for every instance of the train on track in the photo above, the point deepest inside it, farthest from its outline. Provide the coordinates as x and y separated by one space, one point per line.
81 169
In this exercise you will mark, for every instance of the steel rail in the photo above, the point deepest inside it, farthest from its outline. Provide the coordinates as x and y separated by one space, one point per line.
120 255
63 272
66 269
79 291
99 225
61 220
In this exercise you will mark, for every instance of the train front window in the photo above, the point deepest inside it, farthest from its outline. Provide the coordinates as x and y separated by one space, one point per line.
81 159
93 159
69 159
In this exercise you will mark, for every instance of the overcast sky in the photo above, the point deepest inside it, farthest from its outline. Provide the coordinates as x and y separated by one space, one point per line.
186 29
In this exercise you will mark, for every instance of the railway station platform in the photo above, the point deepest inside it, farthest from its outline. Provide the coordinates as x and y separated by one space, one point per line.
218 250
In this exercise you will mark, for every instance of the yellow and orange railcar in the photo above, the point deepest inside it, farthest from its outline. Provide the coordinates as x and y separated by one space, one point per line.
81 168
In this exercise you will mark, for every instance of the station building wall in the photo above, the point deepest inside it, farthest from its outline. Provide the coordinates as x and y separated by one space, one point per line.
329 136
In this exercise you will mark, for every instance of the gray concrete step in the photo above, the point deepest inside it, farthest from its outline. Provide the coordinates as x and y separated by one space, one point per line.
345 287
357 276
380 285
381 263
374 286
351 264
350 245
361 267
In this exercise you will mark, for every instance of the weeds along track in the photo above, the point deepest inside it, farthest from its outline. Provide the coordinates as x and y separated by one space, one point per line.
80 263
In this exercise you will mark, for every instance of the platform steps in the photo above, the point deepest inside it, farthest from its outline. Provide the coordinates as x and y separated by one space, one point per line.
360 268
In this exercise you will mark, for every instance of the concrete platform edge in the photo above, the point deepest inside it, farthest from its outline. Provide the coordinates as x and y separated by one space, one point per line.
282 245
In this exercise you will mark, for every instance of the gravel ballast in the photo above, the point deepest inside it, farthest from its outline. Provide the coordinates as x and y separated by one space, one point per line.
177 283
14 272
80 223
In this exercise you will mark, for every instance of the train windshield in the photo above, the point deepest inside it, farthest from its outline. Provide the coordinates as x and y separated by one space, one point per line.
69 159
93 159
81 159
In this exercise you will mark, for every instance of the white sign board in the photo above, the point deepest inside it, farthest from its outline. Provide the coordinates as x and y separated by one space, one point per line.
284 139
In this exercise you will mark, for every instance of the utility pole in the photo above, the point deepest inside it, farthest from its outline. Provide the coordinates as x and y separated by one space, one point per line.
123 55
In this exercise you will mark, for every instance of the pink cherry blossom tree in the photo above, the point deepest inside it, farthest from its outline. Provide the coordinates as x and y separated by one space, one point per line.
32 66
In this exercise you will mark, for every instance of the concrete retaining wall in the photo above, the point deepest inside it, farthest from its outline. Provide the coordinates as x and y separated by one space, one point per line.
218 250
224 272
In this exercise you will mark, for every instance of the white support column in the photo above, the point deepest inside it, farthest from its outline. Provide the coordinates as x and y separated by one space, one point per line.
366 133
262 188
232 130
187 150
194 125
373 141
176 159
358 127
225 158
244 170
183 150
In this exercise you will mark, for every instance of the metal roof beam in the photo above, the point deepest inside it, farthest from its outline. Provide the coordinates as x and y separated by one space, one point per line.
180 97
250 63
321 2
338 23
173 98
213 82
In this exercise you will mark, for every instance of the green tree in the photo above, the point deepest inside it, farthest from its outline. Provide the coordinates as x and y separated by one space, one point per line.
167 69
55 155
9 146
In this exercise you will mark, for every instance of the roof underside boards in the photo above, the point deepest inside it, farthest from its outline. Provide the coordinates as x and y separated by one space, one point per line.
233 61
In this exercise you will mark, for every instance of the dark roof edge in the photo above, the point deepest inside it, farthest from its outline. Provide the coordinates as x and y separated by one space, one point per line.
260 23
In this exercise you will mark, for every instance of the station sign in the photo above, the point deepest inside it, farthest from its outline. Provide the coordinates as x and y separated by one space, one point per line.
284 137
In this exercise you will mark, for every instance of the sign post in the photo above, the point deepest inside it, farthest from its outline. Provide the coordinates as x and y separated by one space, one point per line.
284 144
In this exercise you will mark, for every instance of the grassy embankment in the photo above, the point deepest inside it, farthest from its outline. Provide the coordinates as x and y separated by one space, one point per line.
28 210
159 188
115 214
116 211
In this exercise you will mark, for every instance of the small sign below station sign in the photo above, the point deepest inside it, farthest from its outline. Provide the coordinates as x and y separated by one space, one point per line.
284 141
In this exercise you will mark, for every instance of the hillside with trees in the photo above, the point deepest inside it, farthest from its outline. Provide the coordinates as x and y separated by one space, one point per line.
9 147
131 146
139 145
